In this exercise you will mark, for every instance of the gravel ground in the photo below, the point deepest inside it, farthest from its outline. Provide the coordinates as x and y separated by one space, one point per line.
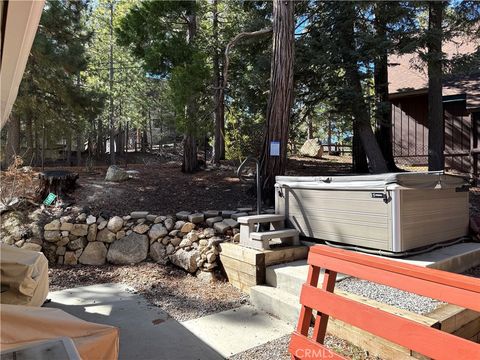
474 272
391 296
278 350
180 294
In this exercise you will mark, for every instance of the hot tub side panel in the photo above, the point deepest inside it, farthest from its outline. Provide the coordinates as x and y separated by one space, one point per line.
430 216
349 217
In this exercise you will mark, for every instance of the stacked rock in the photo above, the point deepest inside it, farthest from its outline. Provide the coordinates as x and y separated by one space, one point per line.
188 240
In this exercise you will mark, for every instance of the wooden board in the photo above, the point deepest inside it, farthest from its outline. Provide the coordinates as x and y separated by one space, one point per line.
244 267
421 319
452 317
242 253
373 344
285 254
469 330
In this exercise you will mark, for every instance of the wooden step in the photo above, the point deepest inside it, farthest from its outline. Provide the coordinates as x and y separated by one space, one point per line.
264 218
274 234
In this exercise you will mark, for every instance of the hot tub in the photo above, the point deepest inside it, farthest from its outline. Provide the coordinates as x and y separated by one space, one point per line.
393 212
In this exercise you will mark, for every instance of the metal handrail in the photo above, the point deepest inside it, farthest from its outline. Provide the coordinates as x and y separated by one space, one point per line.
257 180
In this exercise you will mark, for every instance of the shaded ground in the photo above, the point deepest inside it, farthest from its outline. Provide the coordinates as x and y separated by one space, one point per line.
278 350
160 187
182 295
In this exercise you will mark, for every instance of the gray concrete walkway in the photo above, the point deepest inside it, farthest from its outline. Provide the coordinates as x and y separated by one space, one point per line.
234 331
146 332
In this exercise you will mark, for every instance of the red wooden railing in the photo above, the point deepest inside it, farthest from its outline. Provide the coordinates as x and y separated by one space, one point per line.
452 288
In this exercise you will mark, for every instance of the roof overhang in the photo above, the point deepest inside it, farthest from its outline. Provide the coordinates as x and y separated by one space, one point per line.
19 23
401 94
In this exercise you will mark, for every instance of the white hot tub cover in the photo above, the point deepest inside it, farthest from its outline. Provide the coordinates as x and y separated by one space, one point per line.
24 275
380 181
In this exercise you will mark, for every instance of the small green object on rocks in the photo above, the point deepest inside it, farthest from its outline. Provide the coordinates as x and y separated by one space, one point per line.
49 199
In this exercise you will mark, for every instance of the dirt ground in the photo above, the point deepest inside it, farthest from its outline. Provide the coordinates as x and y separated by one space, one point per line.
182 295
160 187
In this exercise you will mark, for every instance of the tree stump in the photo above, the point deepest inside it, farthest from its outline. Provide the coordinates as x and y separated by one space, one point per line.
58 182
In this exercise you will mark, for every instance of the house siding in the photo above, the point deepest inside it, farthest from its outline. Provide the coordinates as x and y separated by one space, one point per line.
410 133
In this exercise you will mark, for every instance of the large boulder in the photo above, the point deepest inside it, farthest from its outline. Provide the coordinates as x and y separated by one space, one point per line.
54 225
169 224
312 148
116 174
106 235
115 224
94 254
187 227
185 259
79 230
131 249
157 231
158 252
70 258
78 243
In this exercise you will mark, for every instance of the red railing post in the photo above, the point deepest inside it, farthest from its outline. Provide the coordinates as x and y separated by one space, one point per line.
453 288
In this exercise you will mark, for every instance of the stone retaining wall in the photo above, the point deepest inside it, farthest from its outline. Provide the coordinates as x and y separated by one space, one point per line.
186 240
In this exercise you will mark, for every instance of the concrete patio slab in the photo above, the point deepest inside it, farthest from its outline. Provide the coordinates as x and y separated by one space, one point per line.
455 258
233 331
146 332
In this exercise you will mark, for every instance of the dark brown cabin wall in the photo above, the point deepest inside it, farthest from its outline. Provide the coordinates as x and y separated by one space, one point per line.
410 133
457 137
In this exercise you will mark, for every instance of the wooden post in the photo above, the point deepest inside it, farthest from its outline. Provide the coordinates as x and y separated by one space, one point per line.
110 80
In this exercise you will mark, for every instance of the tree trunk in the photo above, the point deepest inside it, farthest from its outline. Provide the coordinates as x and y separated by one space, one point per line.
100 149
151 130
144 144
12 146
330 135
436 126
79 147
219 137
137 138
127 137
281 95
190 161
36 146
44 142
29 139
383 112
358 106
68 158
359 158
309 128
110 80
120 139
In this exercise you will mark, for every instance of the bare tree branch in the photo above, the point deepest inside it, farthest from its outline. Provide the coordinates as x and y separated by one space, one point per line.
232 43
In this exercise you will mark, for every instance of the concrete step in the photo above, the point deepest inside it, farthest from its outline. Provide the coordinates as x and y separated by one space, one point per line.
290 277
265 218
274 234
276 302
